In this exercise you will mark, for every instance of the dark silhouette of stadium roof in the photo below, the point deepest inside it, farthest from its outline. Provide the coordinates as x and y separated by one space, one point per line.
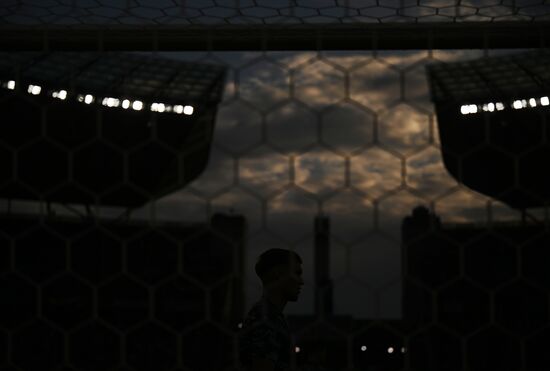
492 115
520 74
133 75
118 129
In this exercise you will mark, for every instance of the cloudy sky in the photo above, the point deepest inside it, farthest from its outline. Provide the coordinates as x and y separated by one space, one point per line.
351 135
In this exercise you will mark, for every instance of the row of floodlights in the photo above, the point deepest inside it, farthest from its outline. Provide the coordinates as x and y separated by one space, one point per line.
467 109
390 350
136 105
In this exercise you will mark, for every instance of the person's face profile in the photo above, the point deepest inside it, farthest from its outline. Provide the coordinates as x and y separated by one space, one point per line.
293 280
287 279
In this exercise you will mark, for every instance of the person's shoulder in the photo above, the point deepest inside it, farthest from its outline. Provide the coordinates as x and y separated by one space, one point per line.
256 312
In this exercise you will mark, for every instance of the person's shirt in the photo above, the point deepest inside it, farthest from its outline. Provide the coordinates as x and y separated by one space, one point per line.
265 333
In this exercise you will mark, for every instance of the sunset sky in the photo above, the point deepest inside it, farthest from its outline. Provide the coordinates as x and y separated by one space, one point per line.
300 169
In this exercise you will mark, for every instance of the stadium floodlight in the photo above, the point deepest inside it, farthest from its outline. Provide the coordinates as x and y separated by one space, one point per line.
471 143
158 107
111 102
178 109
188 110
61 94
88 98
390 350
34 89
137 105
121 88
544 101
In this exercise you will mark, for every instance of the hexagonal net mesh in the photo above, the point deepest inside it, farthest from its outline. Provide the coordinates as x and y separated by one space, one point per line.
128 235
252 12
272 24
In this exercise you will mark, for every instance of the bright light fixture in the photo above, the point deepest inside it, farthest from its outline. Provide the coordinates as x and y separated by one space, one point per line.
390 350
158 107
533 102
297 349
468 108
62 94
188 110
111 102
517 104
363 348
88 98
490 107
139 105
34 89
544 101
500 106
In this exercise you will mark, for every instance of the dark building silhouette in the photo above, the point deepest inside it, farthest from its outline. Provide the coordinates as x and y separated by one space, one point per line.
493 116
475 295
323 283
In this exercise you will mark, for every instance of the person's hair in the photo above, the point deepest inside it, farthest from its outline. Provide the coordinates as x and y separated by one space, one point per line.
273 258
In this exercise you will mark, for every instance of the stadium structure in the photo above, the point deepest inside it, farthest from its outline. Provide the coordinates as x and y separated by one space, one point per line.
492 116
108 128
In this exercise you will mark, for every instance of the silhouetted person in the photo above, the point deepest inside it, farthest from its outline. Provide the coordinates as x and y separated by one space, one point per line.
264 339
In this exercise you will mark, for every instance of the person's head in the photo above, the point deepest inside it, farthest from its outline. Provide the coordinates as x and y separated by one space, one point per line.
280 271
